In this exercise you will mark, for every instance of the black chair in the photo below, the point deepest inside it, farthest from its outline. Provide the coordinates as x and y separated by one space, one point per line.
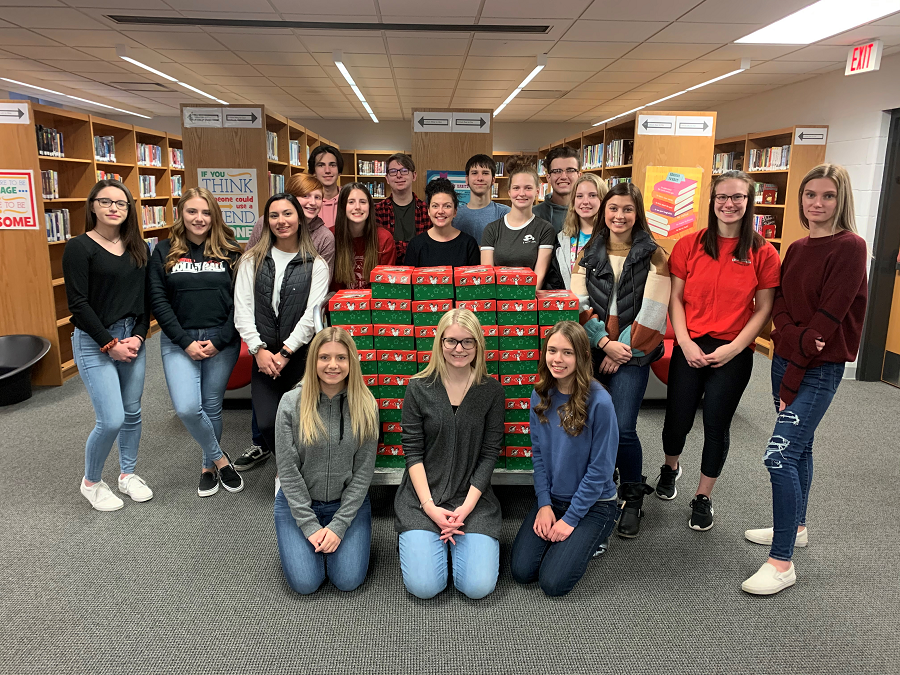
18 353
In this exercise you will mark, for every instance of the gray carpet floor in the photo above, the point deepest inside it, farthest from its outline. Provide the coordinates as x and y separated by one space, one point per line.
187 585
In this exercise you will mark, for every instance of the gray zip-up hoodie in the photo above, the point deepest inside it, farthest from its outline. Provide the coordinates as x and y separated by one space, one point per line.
551 212
337 467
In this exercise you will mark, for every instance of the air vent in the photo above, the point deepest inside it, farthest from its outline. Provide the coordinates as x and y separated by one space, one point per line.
140 86
544 94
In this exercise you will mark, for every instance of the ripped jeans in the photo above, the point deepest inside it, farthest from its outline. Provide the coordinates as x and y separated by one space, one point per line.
789 456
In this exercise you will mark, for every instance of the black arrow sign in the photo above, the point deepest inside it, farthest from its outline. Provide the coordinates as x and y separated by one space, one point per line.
811 137
656 125
18 112
693 125
203 117
469 122
238 117
433 122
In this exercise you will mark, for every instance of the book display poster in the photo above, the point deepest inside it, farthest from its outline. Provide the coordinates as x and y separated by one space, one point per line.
18 202
672 200
237 194
458 178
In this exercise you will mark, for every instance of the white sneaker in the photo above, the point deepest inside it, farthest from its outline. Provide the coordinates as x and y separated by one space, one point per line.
277 485
768 580
135 487
101 497
764 536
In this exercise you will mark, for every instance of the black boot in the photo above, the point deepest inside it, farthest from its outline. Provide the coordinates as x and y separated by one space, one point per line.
632 512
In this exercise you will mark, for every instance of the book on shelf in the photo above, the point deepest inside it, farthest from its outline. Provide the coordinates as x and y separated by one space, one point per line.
495 191
766 225
615 180
49 142
153 216
106 175
276 183
151 243
148 186
376 189
174 213
176 158
272 145
776 158
294 152
766 193
105 148
500 168
543 192
50 184
176 185
620 152
57 223
149 155
592 156
727 161
374 167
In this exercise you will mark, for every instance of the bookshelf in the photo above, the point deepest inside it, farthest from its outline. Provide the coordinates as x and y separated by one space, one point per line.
502 180
369 167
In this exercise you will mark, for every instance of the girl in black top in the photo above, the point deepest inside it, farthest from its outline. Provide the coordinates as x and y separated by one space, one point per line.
105 270
442 244
191 280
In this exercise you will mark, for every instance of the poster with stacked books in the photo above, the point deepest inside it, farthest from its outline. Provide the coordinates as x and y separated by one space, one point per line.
672 200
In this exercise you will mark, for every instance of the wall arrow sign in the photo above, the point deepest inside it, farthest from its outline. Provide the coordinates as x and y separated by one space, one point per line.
472 123
243 117
433 122
14 113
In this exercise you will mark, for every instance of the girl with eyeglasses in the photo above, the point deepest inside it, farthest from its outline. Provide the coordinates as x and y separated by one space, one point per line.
280 283
452 436
360 244
723 283
105 270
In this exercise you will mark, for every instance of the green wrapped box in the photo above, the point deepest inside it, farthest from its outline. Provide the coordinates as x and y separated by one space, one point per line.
392 311
392 386
474 283
368 362
501 463
517 440
491 334
390 461
518 361
349 307
433 283
519 337
429 312
396 362
361 334
423 358
391 282
515 283
517 410
518 390
517 313
390 409
551 318
485 310
425 337
519 385
393 439
555 306
371 382
519 464
394 337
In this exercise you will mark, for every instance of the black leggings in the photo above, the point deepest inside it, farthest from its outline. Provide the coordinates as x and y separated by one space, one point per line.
266 393
721 389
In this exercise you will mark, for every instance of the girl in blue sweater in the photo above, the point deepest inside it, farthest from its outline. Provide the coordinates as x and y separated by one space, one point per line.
575 439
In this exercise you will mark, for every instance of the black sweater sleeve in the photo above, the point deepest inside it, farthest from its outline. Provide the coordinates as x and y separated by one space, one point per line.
473 253
76 264
159 297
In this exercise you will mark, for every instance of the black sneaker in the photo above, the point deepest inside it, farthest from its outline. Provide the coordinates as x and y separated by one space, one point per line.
253 456
209 484
701 513
231 480
665 484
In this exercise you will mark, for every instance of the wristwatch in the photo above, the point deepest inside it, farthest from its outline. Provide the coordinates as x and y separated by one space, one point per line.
255 349
285 353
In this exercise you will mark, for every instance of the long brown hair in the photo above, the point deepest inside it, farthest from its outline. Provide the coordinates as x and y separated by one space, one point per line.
629 189
257 254
748 238
219 239
844 218
572 224
344 257
573 413
130 231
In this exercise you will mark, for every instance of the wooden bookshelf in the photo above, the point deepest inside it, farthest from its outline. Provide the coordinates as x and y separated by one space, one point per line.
502 180
377 182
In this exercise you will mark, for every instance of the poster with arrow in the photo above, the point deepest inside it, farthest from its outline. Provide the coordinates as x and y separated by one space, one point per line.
249 118
433 122
687 125
471 123
810 135
14 113
656 125
201 117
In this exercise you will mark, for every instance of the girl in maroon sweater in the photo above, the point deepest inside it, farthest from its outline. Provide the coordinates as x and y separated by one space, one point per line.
818 316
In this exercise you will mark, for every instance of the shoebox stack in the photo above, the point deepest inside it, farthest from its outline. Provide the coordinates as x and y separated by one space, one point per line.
556 306
352 311
475 283
518 375
518 445
433 283
485 310
390 454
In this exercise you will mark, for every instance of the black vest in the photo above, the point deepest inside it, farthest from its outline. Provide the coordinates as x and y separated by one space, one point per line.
601 283
274 330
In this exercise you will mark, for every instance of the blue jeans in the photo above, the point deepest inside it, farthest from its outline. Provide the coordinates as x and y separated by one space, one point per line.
423 562
627 387
789 456
558 566
304 569
115 389
198 387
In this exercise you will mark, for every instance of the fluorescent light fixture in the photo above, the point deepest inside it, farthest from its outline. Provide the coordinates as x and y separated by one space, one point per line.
77 98
821 20
716 79
665 98
338 56
541 64
202 93
619 115
122 52
146 67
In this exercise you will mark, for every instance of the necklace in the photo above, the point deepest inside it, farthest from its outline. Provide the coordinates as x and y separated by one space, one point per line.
107 238
465 391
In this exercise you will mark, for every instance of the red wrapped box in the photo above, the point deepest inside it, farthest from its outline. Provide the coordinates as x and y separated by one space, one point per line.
518 452
515 282
429 312
517 312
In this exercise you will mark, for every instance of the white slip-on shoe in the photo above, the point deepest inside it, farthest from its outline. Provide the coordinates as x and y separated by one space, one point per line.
768 580
764 536
101 497
135 487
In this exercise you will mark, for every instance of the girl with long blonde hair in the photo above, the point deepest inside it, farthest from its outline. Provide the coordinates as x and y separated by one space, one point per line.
574 440
326 434
578 226
452 436
191 280
818 315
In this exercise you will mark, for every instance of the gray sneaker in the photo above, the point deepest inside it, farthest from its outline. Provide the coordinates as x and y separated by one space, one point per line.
252 457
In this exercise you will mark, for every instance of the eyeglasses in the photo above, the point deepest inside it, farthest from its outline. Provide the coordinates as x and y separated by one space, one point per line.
467 343
393 173
735 199
569 172
106 203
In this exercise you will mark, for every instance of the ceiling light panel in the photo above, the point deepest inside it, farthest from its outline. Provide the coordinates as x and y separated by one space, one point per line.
821 20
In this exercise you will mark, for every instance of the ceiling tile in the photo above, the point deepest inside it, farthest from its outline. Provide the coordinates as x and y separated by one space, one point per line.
146 5
432 46
354 8
88 38
753 52
14 37
892 20
48 17
486 85
259 41
361 44
479 75
592 50
425 74
890 35
194 7
425 61
577 65
533 9
613 31
58 52
700 33
669 50
816 53
659 10
784 67
485 47
356 60
623 76
188 57
556 28
217 69
630 65
196 39
763 12
426 8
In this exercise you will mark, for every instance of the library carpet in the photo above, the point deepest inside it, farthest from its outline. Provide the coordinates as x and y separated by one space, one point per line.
182 584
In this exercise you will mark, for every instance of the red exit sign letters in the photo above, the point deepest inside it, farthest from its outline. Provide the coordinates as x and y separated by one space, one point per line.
864 58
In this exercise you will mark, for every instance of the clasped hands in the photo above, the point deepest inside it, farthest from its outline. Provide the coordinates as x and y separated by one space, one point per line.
616 353
548 528
125 350
270 364
324 541
201 349
450 522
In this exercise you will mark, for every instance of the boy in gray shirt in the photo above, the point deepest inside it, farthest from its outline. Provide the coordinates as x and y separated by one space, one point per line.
472 218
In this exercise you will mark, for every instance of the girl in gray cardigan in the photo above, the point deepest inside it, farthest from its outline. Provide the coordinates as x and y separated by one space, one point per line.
326 435
452 435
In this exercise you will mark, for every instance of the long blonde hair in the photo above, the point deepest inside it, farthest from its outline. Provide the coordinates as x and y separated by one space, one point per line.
437 367
572 224
843 212
363 409
573 413
257 254
220 239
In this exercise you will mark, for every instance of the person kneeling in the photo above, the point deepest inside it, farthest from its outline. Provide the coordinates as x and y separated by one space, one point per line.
575 439
326 436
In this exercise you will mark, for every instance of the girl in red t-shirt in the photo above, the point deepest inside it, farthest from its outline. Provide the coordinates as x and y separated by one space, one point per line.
359 243
723 285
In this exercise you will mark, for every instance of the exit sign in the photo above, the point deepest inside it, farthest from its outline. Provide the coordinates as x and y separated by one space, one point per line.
864 58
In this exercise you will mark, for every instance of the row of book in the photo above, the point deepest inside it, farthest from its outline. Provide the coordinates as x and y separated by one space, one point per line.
615 180
375 167
543 191
495 191
770 159
148 186
501 167
276 183
50 184
176 158
176 185
766 225
152 242
377 190
149 155
620 152
106 175
105 148
766 193
272 145
592 156
57 224
49 142
294 152
153 216
727 161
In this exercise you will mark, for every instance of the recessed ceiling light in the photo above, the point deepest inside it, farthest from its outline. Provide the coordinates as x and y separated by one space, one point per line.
77 98
821 20
541 64
338 56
